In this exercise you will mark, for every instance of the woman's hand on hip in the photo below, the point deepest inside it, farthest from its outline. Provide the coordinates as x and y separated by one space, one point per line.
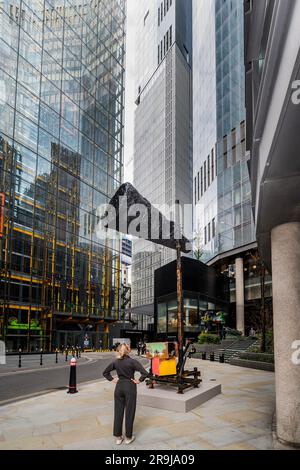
115 380
135 381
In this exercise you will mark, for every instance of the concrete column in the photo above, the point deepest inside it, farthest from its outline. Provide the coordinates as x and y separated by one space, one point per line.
286 305
240 295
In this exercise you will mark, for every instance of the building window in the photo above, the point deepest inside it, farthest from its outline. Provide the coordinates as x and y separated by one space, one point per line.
233 137
164 45
161 50
213 227
212 164
234 155
167 5
205 177
161 12
164 7
158 48
209 237
225 161
158 16
208 171
195 190
225 152
167 40
243 148
205 235
198 186
171 35
243 131
201 181
243 140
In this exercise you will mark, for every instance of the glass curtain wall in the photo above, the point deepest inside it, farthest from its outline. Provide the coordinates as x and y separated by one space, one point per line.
61 150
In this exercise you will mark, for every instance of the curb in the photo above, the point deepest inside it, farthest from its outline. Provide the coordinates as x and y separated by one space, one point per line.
27 371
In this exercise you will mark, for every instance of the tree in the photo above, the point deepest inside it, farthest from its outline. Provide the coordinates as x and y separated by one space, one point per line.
198 245
265 316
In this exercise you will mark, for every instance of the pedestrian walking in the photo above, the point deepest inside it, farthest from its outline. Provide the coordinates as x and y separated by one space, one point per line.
125 392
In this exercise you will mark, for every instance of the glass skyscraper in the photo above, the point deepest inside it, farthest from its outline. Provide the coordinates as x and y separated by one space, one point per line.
222 195
223 219
61 152
163 126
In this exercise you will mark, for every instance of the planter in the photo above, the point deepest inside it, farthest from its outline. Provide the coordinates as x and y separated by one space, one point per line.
257 357
253 364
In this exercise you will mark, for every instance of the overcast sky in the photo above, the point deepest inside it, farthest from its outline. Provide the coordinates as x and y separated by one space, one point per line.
129 89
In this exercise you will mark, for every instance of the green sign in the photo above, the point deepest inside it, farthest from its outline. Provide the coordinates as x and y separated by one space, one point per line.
14 325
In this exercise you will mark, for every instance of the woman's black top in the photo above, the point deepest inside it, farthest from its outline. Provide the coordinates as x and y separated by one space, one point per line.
125 369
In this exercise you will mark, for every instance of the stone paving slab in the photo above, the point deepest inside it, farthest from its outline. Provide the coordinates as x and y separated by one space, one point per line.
240 418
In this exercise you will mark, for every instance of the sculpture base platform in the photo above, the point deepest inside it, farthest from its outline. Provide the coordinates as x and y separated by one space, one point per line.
166 397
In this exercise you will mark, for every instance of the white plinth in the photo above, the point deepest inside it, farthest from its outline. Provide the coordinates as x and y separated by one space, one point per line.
166 397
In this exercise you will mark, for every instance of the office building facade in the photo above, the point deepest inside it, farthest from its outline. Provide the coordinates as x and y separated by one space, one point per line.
273 115
205 292
163 126
223 220
61 151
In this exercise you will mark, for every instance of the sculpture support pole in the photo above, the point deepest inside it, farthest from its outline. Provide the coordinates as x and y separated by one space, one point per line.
179 306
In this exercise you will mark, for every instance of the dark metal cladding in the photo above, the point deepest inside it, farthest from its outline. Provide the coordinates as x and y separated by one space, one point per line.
134 197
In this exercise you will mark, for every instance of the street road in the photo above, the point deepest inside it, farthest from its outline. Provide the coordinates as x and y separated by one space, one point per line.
32 361
51 377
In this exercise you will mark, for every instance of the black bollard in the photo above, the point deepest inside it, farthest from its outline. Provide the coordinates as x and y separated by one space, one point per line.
72 381
222 358
212 357
56 356
66 355
20 357
41 358
204 356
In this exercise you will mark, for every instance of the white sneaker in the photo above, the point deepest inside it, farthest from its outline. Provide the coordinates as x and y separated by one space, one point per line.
119 440
129 440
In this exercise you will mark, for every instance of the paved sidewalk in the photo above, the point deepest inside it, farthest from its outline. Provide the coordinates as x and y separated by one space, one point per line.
238 419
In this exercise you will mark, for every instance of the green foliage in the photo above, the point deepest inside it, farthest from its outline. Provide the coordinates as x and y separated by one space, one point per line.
208 338
232 332
258 357
269 342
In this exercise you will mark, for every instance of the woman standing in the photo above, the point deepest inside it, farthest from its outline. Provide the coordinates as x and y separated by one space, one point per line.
125 391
